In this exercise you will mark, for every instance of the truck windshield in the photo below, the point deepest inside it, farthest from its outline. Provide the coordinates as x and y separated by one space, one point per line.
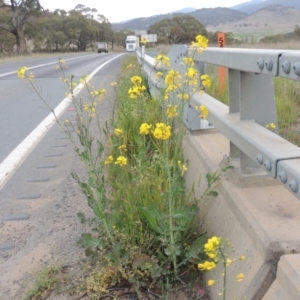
130 42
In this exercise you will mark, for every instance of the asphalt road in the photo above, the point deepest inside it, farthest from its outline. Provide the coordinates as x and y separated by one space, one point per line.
21 110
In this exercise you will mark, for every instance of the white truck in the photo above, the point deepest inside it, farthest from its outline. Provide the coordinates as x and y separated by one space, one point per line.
132 43
102 47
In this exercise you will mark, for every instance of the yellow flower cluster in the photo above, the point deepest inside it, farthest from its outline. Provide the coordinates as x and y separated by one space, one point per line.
211 247
207 265
136 80
172 80
172 111
137 88
183 96
206 82
90 109
99 94
85 79
109 160
22 72
200 44
121 160
192 76
182 167
145 129
113 84
162 131
159 75
163 60
122 148
118 131
144 41
240 277
188 61
203 111
271 126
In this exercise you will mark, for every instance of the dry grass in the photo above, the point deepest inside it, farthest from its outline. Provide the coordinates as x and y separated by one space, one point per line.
262 23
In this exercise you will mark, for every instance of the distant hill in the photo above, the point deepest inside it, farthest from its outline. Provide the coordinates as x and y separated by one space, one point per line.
252 6
183 11
207 16
269 20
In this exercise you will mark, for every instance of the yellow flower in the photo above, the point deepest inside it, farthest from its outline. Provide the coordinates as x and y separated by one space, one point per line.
211 255
89 108
183 96
203 111
173 80
144 41
271 126
207 265
163 60
240 277
136 91
210 282
145 129
242 257
189 61
162 131
191 72
206 81
121 160
129 66
109 160
99 94
118 131
182 167
122 148
113 84
22 72
200 44
159 75
172 111
61 61
228 262
136 80
85 79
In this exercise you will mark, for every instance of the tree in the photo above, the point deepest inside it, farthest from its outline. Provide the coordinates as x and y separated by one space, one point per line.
21 13
7 40
180 29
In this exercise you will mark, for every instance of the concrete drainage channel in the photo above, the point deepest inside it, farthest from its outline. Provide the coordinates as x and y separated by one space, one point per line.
58 147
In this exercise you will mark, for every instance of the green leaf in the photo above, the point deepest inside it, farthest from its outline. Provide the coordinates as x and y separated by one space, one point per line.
151 219
213 193
87 240
196 247
208 177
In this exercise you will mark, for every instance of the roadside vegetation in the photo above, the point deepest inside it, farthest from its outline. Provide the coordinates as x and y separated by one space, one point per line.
146 240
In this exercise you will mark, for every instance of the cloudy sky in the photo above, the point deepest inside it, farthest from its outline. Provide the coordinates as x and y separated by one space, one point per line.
121 10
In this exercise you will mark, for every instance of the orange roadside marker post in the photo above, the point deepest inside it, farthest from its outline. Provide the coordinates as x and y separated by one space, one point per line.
222 70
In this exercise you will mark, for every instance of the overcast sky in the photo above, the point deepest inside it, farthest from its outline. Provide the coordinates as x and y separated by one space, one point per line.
122 10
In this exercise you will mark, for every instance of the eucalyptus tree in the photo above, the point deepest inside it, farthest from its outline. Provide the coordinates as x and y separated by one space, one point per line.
21 12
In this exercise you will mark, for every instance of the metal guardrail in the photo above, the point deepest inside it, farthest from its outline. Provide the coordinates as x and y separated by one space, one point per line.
251 106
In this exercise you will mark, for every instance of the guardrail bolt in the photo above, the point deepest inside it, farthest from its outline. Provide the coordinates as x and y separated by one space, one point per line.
268 165
293 186
286 67
296 68
260 63
283 177
269 64
260 159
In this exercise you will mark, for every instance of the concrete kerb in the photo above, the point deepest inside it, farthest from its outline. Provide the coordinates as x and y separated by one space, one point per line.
258 216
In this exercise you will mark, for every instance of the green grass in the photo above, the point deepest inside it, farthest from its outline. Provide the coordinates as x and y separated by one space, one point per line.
287 96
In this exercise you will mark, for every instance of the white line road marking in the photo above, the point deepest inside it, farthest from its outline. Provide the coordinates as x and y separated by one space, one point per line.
43 65
18 155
